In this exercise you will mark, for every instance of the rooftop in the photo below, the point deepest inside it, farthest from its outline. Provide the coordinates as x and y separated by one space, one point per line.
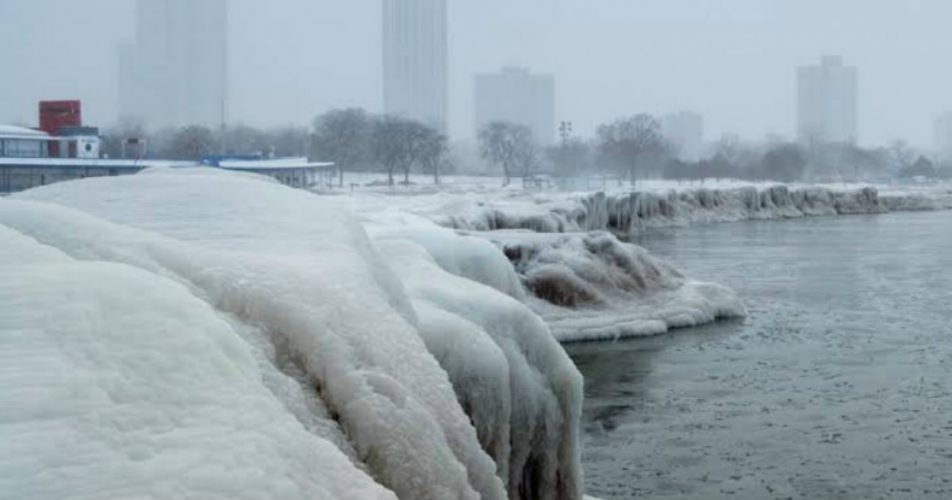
17 132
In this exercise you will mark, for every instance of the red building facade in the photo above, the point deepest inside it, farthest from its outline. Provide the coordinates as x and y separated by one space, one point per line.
55 115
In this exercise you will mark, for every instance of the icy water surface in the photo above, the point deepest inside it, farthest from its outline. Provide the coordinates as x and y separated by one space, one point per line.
838 384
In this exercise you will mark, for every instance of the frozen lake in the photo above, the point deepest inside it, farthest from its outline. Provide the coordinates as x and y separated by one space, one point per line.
837 385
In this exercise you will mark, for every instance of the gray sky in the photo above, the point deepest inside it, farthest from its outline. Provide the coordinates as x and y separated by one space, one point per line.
731 60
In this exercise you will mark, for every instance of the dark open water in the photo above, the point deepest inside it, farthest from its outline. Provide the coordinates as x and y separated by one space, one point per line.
837 385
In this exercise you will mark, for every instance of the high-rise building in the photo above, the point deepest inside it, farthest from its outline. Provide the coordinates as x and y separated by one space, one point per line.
827 102
685 131
943 135
415 60
518 96
175 72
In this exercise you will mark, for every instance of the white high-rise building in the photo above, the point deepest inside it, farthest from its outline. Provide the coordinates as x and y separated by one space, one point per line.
415 60
943 136
685 131
518 96
175 73
827 102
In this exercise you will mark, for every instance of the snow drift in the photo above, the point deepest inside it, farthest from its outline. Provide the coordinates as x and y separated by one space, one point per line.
626 213
306 366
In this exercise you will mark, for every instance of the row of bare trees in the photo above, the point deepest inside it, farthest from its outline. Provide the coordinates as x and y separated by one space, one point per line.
627 148
352 138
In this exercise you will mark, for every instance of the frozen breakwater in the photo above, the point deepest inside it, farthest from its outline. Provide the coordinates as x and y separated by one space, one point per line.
627 213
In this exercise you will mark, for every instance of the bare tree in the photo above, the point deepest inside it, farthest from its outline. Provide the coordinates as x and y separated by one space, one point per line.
192 143
115 139
729 149
570 157
289 141
245 140
902 155
343 136
398 143
433 153
414 136
527 160
387 147
628 143
507 145
784 162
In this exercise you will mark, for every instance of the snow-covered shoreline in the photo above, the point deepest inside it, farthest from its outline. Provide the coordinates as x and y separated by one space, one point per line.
627 213
478 204
224 335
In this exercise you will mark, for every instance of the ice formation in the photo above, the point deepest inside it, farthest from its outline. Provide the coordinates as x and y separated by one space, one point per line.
252 339
590 286
543 453
118 382
626 213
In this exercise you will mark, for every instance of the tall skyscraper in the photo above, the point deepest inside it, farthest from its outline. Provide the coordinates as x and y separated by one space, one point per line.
518 96
827 102
943 136
175 72
685 131
415 60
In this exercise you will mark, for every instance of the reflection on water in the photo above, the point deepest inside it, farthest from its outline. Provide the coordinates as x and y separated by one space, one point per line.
837 385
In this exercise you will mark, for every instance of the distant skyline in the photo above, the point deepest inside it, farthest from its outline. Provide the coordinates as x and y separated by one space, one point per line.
733 61
414 55
827 101
516 95
176 69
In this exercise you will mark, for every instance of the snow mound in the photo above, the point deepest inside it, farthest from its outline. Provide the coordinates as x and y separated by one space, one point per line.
591 286
116 382
436 382
627 213
466 256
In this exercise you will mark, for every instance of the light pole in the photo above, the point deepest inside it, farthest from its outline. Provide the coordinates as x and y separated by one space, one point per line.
565 132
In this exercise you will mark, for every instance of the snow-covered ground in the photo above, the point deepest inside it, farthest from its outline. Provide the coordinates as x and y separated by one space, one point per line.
205 334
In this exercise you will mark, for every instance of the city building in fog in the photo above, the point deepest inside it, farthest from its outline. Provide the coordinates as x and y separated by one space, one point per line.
943 135
827 102
518 96
415 60
175 72
684 130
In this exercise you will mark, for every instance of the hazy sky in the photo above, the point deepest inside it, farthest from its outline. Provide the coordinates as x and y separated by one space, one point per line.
731 60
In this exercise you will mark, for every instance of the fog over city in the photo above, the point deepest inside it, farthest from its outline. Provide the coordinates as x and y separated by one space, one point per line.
732 61
475 249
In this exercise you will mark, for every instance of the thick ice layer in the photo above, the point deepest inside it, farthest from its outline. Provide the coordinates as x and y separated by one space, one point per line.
469 257
587 286
504 338
626 213
592 286
119 383
301 279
